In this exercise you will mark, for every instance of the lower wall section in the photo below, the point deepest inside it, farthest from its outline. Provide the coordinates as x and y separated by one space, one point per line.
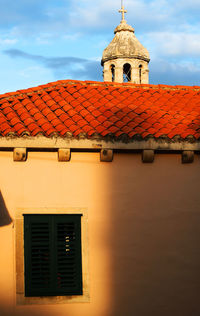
143 231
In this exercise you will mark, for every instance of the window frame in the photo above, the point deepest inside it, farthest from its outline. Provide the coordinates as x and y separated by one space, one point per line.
140 73
113 72
21 299
127 74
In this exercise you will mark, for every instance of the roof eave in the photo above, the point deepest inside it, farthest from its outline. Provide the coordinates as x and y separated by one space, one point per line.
42 142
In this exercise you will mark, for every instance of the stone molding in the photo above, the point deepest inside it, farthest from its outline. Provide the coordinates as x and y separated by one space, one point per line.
42 142
19 257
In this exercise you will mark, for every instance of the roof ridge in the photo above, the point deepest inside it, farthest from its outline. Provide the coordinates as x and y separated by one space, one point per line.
61 83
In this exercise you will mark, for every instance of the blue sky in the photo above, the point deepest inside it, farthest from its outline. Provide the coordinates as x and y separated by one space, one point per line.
44 41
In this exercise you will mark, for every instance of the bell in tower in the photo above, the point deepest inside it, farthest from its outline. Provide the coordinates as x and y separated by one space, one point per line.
125 59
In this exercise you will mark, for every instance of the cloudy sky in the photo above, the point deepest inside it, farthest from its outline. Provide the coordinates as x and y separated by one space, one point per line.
44 41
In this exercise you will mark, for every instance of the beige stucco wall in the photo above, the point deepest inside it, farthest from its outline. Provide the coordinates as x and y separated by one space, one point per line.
144 230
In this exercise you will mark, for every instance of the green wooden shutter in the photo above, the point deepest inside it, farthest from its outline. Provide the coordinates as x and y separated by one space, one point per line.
52 252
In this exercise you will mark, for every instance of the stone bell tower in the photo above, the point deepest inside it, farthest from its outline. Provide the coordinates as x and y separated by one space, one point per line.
125 59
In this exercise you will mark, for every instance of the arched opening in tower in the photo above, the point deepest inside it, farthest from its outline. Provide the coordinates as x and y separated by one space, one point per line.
126 73
112 67
140 74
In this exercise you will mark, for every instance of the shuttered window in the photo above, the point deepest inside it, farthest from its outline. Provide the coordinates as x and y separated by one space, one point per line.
52 252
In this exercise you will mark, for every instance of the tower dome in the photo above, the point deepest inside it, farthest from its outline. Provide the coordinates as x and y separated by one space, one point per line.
125 59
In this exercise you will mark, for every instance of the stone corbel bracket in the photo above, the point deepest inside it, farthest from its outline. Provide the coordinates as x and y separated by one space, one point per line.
19 154
148 156
106 155
64 154
187 156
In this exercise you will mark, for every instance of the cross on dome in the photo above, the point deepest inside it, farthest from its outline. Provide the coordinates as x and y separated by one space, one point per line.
122 11
125 59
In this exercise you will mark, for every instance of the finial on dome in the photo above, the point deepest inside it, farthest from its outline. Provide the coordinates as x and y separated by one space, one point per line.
125 59
122 11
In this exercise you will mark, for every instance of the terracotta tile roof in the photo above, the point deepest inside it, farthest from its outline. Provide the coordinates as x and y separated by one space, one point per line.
98 109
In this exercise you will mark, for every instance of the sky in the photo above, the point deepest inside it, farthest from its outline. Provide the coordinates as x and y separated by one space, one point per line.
45 41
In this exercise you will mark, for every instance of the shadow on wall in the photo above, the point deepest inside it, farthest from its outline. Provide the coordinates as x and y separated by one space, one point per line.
5 218
154 242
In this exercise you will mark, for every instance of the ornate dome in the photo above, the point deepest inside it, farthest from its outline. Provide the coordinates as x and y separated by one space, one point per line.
125 45
125 59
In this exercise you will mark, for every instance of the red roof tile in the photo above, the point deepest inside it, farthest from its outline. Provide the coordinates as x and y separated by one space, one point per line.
91 108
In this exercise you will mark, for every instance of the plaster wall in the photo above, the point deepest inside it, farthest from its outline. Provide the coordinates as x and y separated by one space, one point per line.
144 230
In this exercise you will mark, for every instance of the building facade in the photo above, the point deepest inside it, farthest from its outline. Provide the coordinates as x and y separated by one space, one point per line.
99 204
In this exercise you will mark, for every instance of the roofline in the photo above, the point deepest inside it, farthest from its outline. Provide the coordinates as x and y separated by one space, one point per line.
42 142
104 60
61 83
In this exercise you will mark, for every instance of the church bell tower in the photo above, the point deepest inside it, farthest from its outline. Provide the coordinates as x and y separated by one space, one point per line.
125 59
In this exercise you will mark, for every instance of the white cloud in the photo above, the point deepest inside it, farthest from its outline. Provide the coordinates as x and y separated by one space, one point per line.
184 4
30 72
173 44
100 14
174 73
154 11
89 13
8 41
71 37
